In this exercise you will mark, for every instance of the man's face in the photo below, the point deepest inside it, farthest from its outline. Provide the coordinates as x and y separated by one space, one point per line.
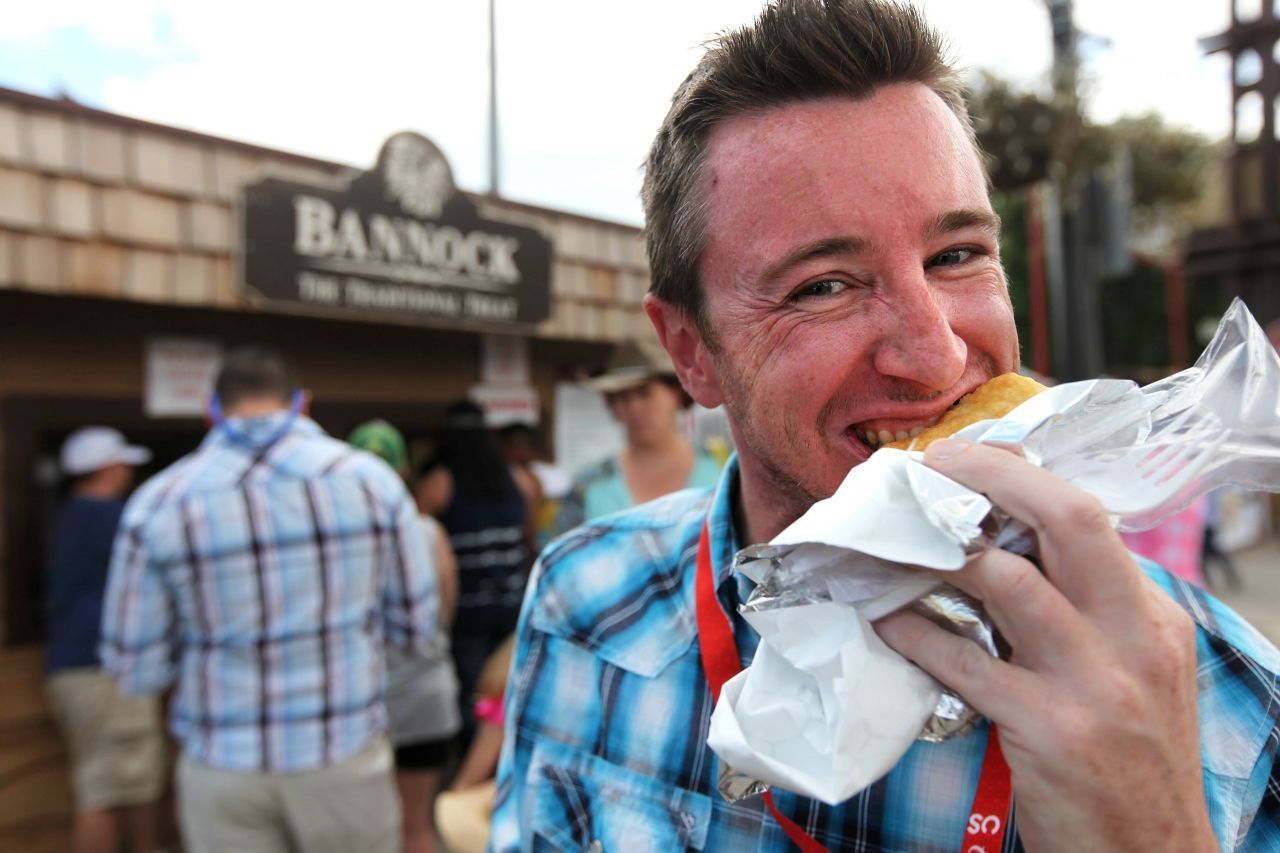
852 282
117 478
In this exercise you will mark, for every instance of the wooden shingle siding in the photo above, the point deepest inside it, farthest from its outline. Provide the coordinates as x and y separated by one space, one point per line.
102 153
50 144
95 268
168 166
211 227
100 204
134 217
72 208
194 281
22 201
39 264
11 146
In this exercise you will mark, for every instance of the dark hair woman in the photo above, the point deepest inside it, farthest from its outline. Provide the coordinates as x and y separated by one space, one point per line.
468 487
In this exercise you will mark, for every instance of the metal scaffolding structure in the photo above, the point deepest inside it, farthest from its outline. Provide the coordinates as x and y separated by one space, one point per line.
1242 256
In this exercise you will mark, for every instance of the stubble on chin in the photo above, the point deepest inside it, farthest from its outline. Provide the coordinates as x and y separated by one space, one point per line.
782 488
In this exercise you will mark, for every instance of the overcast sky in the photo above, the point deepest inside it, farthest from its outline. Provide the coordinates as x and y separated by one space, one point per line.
582 83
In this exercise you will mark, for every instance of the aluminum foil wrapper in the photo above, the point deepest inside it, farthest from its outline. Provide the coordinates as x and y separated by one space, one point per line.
945 606
878 587
960 614
734 786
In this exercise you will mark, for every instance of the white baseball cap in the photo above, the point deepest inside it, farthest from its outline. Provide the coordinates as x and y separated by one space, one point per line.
94 448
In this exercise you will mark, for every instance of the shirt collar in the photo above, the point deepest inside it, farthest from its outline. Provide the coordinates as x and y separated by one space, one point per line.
720 529
255 433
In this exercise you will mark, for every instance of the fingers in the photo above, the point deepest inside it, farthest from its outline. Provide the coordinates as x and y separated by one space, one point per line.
1082 555
1036 619
996 689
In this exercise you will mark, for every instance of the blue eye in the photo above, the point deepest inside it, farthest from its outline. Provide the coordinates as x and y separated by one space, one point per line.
952 257
819 289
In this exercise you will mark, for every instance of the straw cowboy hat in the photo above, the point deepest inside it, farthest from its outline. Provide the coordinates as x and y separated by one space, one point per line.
631 364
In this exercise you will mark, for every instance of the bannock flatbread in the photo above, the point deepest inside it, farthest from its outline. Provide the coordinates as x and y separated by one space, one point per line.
995 398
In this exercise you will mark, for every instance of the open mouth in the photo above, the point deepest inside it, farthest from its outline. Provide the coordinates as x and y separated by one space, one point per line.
884 436
878 437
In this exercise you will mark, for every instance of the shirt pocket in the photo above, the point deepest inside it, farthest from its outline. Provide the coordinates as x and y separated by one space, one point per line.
583 802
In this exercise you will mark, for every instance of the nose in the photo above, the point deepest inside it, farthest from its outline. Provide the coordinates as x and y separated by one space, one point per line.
626 403
625 406
919 345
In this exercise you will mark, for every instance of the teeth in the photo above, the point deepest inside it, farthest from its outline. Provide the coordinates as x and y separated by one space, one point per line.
876 438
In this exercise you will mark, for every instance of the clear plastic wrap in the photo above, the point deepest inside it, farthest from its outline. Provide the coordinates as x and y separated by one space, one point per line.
1237 380
1230 398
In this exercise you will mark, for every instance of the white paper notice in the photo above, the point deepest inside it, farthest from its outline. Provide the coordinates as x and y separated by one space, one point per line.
504 360
180 375
585 432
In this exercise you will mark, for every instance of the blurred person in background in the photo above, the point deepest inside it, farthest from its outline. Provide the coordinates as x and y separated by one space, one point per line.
644 396
116 742
519 445
264 572
1211 552
468 486
1176 543
463 812
422 688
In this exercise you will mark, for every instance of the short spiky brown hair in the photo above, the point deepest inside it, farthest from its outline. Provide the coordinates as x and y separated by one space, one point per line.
797 50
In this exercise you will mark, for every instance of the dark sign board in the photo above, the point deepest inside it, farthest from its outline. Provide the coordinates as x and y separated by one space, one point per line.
398 240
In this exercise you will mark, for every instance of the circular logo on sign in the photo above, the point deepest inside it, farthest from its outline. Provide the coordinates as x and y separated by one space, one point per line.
416 174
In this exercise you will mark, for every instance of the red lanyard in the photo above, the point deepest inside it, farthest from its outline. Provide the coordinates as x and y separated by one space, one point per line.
984 830
984 833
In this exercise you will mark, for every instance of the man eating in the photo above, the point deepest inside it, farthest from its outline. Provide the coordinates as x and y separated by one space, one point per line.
825 264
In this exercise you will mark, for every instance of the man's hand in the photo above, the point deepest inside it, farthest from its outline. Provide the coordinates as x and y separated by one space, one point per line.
1097 707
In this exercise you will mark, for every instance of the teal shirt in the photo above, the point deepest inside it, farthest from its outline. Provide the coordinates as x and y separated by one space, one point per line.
600 489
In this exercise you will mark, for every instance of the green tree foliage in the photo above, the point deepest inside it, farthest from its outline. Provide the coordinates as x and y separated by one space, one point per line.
1017 130
1028 138
1170 165
1012 209
1134 324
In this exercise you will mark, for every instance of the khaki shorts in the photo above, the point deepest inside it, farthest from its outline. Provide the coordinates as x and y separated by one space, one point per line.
348 807
116 741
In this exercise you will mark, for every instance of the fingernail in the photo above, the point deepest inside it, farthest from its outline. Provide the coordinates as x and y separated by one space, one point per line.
945 449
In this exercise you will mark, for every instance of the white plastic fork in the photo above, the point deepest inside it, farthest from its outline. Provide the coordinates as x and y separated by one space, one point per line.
1141 479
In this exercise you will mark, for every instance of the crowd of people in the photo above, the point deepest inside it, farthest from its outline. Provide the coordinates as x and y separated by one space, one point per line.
332 625
345 634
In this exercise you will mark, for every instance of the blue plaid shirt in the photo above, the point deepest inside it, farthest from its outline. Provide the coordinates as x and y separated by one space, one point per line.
608 710
264 573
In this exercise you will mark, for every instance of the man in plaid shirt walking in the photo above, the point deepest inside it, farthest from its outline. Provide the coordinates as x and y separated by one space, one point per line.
263 574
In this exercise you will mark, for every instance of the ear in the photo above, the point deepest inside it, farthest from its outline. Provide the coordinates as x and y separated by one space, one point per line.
689 353
305 411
